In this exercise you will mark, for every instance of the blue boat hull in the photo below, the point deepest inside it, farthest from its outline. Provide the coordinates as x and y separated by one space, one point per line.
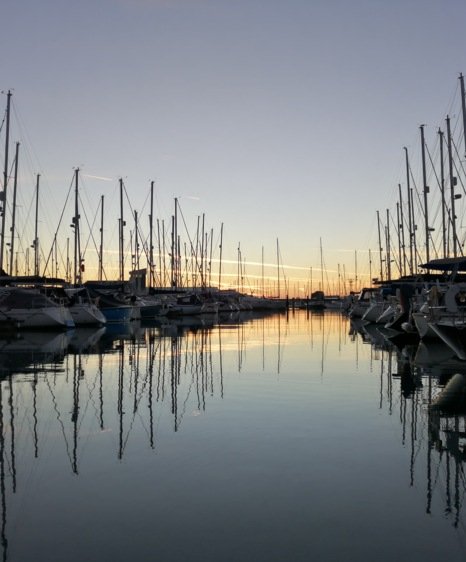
117 313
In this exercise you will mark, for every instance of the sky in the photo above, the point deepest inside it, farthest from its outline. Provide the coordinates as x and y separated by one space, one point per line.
280 120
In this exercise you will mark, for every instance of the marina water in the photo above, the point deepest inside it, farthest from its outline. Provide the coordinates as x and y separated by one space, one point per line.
294 436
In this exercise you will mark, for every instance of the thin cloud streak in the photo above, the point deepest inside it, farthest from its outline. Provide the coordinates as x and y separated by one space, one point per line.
97 177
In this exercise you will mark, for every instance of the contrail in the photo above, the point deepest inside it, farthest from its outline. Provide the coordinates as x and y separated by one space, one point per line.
97 177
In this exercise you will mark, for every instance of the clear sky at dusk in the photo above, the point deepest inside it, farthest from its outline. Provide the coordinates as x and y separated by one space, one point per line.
278 119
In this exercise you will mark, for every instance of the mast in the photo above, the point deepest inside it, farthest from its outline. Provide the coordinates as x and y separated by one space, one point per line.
442 190
77 241
426 191
164 246
402 232
151 242
278 269
5 176
13 219
452 187
463 108
196 267
121 234
210 256
136 241
202 250
176 252
415 252
410 213
68 265
339 279
380 248
172 254
321 266
389 257
101 250
370 270
35 244
400 262
161 271
220 263
262 272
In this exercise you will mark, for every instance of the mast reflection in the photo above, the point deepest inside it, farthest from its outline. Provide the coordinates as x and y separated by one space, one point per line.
431 383
121 391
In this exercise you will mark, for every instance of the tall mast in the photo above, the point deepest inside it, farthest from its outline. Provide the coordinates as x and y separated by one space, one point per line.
36 239
101 251
121 234
278 269
220 262
161 270
413 222
262 272
426 191
463 108
176 248
5 176
442 191
380 248
196 267
389 256
174 257
13 217
321 266
68 264
402 232
452 187
202 250
238 267
178 254
210 256
151 242
164 248
398 220
136 241
172 254
410 213
77 242
370 271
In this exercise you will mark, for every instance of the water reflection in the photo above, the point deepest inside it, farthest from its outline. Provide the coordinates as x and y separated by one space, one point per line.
132 399
432 407
31 351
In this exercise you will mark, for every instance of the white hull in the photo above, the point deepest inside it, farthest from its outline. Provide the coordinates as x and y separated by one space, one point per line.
87 315
374 311
422 326
47 317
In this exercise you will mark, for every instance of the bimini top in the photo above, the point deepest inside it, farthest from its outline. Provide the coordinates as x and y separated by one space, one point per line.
446 264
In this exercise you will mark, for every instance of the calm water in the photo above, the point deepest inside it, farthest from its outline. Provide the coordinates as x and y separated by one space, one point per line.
270 439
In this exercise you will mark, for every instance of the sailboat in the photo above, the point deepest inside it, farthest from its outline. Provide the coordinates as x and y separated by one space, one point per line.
29 307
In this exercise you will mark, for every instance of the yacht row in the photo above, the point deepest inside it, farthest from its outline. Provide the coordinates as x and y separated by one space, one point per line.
430 306
36 302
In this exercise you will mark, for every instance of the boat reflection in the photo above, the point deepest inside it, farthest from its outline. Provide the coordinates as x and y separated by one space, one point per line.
29 351
82 340
428 382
